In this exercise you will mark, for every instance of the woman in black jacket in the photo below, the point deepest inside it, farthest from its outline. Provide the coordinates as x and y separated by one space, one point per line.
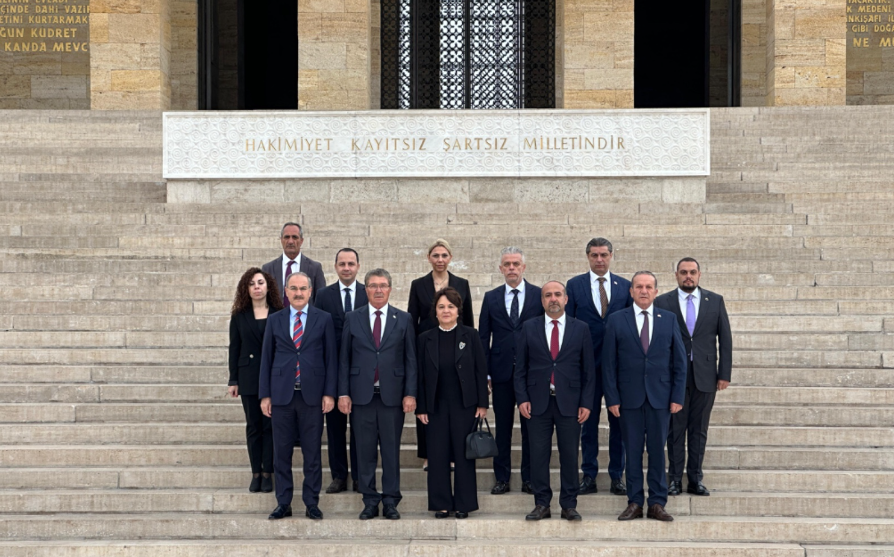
452 393
422 292
256 297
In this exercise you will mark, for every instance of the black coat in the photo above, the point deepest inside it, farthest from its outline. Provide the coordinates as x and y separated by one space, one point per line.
422 290
244 360
470 366
331 300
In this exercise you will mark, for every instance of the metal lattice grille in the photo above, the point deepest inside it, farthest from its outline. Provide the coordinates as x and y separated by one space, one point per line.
484 54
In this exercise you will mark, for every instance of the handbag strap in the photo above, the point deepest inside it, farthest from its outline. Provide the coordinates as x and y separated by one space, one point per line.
485 423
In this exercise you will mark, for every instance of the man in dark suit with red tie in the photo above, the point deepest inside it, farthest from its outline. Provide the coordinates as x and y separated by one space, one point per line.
644 379
554 384
592 297
292 261
704 325
503 312
376 387
339 299
297 385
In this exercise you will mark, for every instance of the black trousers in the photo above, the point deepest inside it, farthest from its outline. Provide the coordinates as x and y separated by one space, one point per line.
336 438
377 429
689 426
540 433
421 440
290 420
450 424
504 416
645 429
258 435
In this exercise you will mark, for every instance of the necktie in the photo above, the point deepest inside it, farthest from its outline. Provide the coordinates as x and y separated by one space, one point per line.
690 318
644 333
603 297
513 307
297 333
348 304
377 338
554 348
285 281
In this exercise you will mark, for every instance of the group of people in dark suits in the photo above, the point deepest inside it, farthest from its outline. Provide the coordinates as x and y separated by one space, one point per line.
554 353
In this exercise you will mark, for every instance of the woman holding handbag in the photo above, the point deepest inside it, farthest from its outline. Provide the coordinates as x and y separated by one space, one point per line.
452 395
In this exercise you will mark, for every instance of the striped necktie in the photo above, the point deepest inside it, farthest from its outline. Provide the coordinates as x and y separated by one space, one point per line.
297 333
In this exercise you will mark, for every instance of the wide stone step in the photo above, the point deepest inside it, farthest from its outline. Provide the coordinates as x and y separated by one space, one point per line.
498 528
395 548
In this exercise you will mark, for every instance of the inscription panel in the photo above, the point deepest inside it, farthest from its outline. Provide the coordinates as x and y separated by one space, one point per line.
44 53
526 143
870 51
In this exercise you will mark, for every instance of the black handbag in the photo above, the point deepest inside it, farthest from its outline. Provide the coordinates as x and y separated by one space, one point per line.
480 443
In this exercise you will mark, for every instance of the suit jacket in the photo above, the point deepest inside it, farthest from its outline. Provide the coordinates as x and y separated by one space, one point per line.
470 366
711 327
497 332
630 376
574 368
395 358
422 290
244 360
318 357
331 300
580 306
308 266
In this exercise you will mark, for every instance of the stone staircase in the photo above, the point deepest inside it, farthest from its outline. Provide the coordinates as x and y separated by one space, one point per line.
117 438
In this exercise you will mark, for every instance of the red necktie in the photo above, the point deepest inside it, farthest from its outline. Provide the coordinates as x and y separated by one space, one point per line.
285 281
377 338
554 348
297 333
644 333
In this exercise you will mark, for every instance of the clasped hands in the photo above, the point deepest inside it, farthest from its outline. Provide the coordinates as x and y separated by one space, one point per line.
344 404
616 409
479 413
267 405
583 414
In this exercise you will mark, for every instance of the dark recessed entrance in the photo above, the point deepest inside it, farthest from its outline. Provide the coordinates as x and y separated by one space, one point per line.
248 54
686 54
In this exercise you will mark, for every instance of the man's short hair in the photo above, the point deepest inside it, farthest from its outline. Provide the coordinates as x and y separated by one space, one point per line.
649 273
344 250
512 250
598 243
688 260
382 273
282 232
560 283
310 282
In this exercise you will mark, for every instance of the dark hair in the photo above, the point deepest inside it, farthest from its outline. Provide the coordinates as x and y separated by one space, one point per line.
688 260
598 243
343 250
452 296
380 273
645 273
242 300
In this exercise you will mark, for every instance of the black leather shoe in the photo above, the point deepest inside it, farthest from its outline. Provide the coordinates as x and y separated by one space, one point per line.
255 485
539 513
674 488
658 513
618 488
587 486
632 512
266 484
500 488
356 489
337 486
528 487
571 514
368 512
390 512
442 514
281 511
314 512
698 488
461 515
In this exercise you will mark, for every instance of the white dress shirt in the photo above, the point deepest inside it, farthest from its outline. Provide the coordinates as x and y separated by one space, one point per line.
353 288
508 296
638 312
594 289
696 301
295 267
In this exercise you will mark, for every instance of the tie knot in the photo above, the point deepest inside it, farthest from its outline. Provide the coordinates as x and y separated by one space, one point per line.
292 262
378 313
601 279
689 297
299 314
347 289
555 322
646 313
515 291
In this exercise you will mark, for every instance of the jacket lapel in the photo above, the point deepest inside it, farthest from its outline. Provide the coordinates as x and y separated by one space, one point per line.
362 300
462 340
367 326
703 307
433 349
277 274
310 320
675 307
617 294
529 304
631 321
253 324
389 321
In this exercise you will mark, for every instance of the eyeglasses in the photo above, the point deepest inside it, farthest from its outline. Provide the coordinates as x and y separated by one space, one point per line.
297 288
378 286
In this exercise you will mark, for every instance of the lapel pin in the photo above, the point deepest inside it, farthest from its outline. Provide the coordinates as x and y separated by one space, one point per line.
462 345
706 298
393 317
615 283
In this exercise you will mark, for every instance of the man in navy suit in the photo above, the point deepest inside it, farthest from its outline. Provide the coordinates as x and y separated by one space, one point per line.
644 378
298 380
339 299
503 311
554 383
377 386
592 297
